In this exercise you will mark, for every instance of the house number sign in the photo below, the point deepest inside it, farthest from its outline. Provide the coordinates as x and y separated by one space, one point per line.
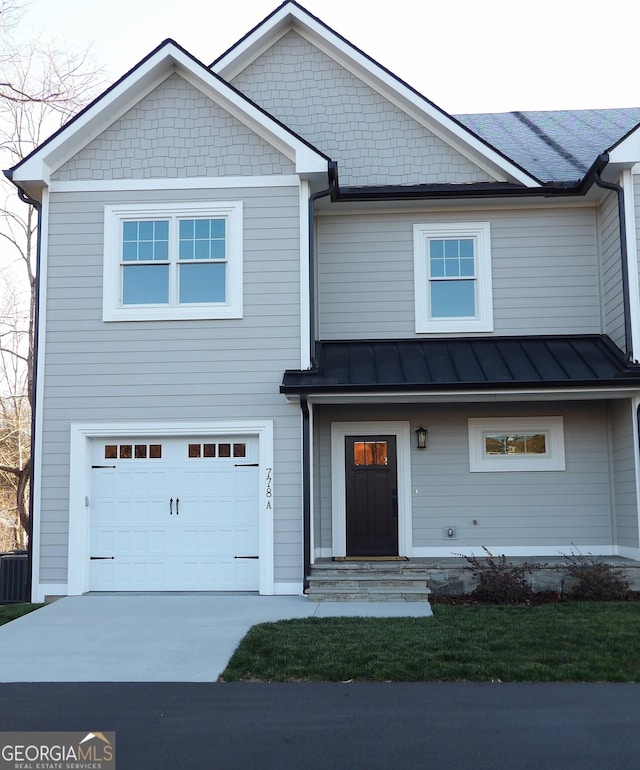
267 490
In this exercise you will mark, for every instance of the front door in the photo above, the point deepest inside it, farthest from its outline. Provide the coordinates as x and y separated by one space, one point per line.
371 495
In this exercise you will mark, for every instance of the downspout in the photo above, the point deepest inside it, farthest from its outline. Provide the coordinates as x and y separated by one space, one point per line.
624 255
304 406
306 492
34 376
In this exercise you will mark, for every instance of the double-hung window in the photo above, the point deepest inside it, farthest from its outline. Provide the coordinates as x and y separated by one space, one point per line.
179 262
452 276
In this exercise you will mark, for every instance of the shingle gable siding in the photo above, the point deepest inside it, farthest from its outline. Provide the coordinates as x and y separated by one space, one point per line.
373 141
175 132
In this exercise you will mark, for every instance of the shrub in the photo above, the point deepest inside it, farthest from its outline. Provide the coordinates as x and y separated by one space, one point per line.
597 580
500 581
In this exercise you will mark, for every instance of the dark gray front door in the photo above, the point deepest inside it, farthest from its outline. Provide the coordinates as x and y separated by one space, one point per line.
372 495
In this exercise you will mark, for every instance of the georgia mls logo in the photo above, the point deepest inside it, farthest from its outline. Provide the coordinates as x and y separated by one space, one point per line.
58 751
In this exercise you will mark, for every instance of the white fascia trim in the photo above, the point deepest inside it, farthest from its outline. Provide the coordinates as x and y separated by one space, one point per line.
80 484
134 87
36 481
463 396
402 432
628 150
197 183
515 550
633 273
305 306
292 17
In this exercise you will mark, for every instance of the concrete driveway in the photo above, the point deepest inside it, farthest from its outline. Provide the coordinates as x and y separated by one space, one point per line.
153 637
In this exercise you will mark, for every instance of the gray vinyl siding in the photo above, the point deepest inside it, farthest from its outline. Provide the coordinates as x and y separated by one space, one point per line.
175 132
373 141
544 267
611 270
624 475
512 509
178 370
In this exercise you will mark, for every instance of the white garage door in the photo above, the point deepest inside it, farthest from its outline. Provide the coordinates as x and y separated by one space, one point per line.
175 514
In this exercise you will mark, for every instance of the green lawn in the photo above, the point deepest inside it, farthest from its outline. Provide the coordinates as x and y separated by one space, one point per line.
572 642
12 611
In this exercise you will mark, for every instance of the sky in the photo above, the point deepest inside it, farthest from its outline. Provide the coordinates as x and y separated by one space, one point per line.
465 55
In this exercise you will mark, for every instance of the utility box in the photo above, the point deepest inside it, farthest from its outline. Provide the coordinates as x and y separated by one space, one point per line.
14 577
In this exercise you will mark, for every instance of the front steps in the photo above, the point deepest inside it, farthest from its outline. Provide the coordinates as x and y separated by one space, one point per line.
368 581
415 580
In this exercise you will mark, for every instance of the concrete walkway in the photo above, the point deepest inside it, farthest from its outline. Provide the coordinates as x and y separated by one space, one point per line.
153 637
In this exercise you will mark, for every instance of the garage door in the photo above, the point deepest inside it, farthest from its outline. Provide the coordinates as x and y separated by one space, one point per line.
175 514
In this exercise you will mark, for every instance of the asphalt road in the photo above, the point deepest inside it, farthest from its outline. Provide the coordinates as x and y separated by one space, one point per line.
444 726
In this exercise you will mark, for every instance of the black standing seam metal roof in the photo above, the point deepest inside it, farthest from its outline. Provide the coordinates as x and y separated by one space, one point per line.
469 362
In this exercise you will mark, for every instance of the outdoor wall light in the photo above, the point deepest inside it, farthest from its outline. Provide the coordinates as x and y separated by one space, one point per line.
421 436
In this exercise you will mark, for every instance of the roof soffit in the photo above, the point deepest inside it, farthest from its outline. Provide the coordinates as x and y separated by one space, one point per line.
167 59
291 16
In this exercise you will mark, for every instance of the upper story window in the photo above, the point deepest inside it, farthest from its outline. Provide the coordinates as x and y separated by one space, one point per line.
179 262
452 273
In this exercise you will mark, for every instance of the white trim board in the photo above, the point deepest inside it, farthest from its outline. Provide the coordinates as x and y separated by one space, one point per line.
453 551
187 183
36 475
42 591
339 431
288 589
80 484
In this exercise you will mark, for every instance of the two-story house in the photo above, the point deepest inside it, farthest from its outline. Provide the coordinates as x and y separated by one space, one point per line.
291 310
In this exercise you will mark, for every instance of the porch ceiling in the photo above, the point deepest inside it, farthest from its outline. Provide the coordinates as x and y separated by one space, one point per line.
429 366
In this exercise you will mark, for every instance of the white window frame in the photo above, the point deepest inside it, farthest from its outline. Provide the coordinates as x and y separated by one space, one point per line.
552 460
480 233
114 310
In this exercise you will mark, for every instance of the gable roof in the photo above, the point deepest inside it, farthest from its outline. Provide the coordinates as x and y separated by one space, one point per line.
292 16
169 57
558 145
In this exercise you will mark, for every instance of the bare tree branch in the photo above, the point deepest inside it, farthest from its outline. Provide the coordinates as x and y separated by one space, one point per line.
41 86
